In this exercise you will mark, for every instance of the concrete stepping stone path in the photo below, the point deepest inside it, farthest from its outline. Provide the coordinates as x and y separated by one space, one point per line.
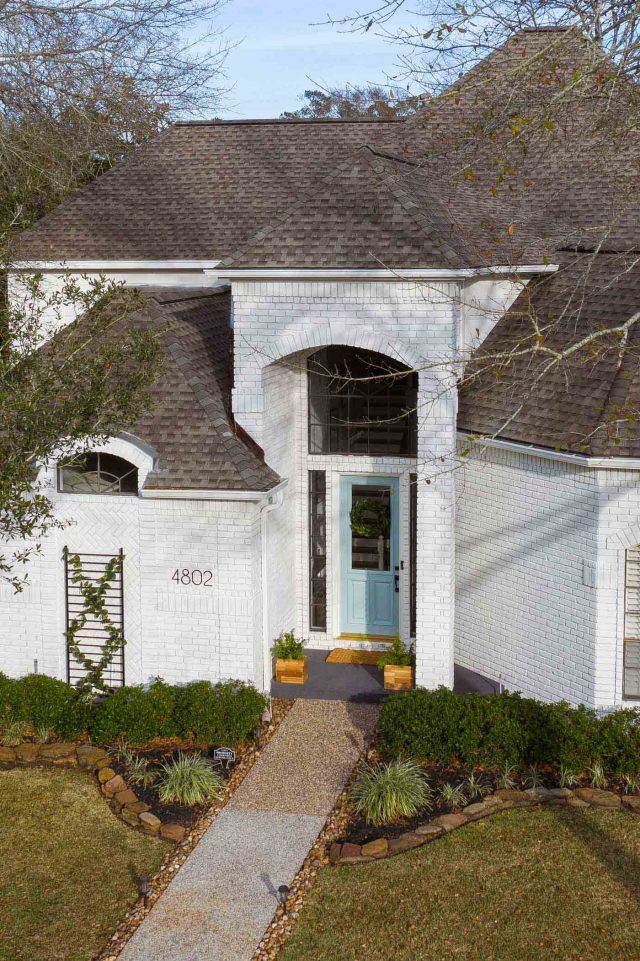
221 901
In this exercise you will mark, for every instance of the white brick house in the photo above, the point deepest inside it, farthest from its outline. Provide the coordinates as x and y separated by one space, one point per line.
235 500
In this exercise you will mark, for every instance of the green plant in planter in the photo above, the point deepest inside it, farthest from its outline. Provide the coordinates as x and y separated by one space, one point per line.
288 647
398 655
533 779
189 779
139 772
384 792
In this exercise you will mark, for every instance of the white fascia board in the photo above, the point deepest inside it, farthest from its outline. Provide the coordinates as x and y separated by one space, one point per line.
47 265
579 460
416 273
256 497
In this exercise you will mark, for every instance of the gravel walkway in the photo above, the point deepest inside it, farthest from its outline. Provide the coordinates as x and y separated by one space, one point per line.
223 898
305 767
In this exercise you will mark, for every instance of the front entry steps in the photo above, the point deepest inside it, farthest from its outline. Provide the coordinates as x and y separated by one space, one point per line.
363 642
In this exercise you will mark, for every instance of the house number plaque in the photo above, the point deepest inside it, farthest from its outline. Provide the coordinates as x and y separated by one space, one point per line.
192 577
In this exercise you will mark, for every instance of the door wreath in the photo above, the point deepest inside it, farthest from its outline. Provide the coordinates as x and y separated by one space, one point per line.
365 528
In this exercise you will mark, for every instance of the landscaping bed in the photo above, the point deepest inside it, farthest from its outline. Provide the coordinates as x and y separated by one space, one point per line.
157 756
523 788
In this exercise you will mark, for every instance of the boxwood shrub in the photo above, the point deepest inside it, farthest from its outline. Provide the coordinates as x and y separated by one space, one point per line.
507 728
227 711
43 702
135 714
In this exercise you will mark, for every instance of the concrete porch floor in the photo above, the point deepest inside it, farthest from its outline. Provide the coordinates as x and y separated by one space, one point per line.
362 683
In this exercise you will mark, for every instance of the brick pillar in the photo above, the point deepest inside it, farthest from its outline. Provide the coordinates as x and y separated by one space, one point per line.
435 548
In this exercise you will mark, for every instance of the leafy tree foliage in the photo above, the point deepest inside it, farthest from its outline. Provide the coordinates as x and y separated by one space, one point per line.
353 101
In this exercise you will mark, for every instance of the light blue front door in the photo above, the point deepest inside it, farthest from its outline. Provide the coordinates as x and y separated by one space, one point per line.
369 555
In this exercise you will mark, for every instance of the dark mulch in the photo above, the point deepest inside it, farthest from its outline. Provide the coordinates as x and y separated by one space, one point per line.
360 831
158 755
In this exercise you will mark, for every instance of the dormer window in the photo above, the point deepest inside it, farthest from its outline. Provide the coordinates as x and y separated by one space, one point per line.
98 473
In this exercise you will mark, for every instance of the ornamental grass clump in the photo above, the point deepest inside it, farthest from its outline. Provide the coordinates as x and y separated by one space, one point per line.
506 778
13 733
477 786
452 796
188 779
384 792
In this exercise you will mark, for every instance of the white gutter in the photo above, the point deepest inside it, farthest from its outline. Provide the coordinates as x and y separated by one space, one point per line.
168 493
44 265
417 273
579 460
274 502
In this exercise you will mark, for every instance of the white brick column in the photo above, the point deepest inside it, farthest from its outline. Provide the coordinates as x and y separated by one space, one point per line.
435 547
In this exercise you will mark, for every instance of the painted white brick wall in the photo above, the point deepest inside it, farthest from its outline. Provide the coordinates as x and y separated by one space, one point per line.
526 613
180 632
404 320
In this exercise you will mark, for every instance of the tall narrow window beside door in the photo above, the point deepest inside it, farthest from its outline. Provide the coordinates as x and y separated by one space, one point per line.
317 550
632 625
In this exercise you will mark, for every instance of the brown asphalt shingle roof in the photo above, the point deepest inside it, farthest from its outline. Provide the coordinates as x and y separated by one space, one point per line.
197 192
189 423
589 403
448 188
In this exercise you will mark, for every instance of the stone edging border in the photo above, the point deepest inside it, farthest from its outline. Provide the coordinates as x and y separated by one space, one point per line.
503 800
120 798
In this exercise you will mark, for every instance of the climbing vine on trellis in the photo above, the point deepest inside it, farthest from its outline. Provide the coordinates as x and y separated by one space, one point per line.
94 594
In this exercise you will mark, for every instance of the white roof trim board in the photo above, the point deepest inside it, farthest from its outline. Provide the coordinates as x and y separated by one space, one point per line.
580 460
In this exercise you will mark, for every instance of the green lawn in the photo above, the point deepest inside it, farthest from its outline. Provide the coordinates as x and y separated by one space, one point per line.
68 867
521 886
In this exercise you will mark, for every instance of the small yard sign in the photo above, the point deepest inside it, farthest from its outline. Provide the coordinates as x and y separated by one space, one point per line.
224 755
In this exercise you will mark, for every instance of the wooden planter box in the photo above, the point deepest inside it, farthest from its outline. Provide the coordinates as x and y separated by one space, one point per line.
398 678
292 672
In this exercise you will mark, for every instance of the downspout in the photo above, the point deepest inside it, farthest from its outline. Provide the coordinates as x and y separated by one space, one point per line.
274 500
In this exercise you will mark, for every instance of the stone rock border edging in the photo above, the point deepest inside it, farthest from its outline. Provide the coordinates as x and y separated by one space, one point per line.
343 853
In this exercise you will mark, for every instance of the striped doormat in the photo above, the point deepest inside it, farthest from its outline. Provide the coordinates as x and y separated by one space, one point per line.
346 655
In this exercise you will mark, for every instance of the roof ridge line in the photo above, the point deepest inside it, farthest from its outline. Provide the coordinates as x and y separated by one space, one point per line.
263 232
214 122
421 217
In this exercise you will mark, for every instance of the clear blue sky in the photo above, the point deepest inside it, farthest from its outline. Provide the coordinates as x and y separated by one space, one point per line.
280 50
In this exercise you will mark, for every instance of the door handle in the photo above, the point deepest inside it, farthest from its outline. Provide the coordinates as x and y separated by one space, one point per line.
396 583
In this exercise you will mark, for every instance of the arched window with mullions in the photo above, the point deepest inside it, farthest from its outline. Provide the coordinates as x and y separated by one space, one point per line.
361 402
98 473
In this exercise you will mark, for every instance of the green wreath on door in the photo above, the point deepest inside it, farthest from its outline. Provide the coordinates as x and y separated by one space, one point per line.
364 528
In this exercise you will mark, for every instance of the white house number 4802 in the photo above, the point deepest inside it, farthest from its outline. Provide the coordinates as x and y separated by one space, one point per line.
195 577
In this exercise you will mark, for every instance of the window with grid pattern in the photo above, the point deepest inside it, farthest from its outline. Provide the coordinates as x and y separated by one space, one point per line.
632 625
317 550
361 402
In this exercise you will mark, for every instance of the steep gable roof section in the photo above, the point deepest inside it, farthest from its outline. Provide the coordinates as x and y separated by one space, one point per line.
195 192
376 209
189 422
565 185
361 216
588 404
